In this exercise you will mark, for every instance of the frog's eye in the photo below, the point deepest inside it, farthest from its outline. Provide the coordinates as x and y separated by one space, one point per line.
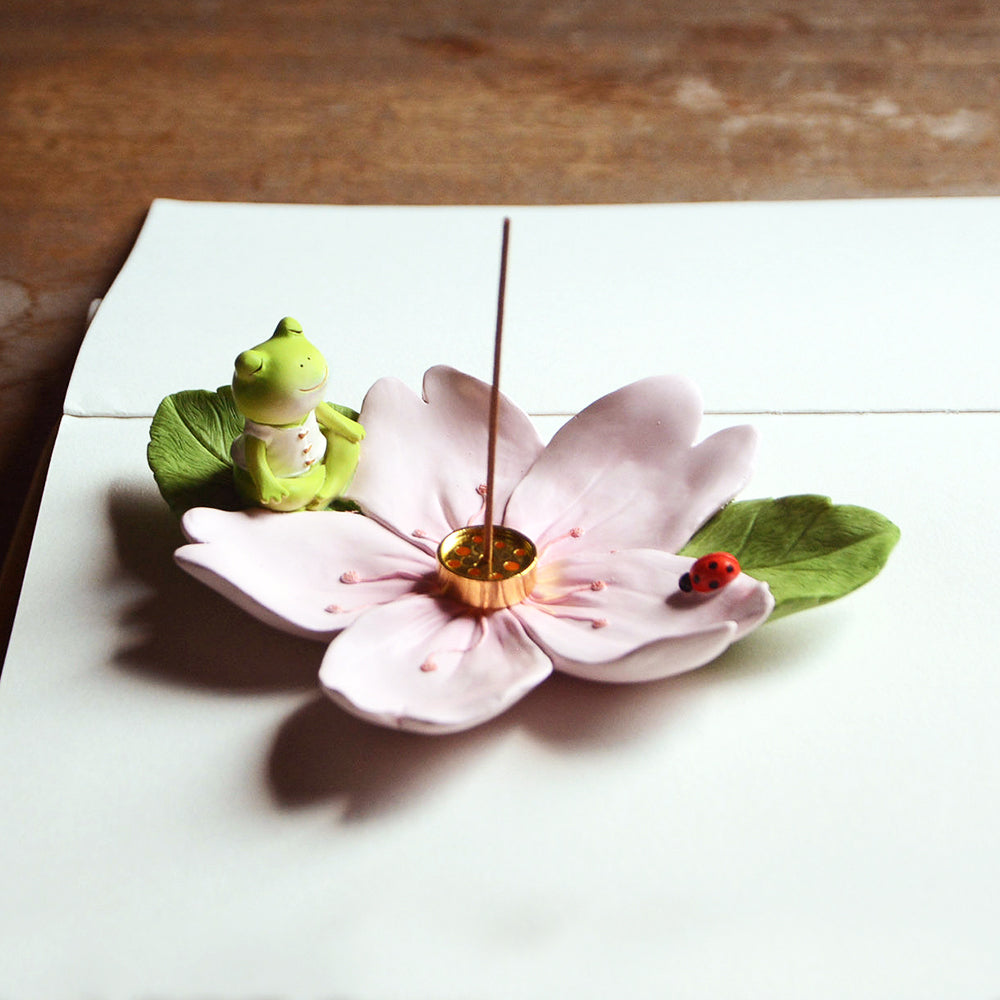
288 327
249 363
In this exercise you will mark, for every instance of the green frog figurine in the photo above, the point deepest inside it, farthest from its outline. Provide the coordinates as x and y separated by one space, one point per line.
296 451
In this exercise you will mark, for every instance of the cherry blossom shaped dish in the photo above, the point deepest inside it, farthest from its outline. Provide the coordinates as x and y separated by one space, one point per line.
618 490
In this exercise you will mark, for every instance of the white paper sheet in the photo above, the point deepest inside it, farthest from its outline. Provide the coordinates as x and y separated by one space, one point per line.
184 814
869 305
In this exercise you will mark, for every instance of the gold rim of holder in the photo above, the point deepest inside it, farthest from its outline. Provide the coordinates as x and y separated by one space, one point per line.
462 567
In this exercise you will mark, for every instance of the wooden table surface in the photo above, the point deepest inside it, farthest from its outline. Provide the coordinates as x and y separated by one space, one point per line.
106 104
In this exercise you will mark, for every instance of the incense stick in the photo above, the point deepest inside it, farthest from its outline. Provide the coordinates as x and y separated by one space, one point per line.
491 454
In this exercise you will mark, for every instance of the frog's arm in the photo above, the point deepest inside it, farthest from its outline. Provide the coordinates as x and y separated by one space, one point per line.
343 447
339 464
334 422
269 489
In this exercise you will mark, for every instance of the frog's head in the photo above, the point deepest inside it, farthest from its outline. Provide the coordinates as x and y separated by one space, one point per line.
281 380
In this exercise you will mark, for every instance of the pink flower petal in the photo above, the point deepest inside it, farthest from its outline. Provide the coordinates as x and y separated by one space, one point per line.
622 617
294 571
421 664
423 460
624 472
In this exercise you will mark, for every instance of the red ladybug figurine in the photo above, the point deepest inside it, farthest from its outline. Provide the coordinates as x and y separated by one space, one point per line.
710 573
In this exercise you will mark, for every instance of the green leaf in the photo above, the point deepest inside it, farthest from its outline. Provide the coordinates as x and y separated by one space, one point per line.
809 550
346 411
342 503
188 451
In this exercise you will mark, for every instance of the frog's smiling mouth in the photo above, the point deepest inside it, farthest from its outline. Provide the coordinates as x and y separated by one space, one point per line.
319 384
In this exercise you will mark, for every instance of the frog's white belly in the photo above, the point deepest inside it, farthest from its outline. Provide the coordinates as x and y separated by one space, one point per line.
291 451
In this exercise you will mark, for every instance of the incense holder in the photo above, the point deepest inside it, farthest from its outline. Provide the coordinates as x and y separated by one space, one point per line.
487 570
605 506
602 534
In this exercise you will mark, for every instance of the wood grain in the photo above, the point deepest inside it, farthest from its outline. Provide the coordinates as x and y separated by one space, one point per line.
106 105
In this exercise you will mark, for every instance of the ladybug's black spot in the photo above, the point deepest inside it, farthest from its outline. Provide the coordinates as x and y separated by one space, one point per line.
730 568
713 565
714 584
696 577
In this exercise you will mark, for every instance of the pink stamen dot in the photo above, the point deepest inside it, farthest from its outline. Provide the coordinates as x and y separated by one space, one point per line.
599 623
481 489
428 666
333 609
419 533
572 533
351 576
598 585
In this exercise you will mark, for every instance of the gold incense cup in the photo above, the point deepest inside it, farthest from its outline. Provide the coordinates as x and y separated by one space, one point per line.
463 573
